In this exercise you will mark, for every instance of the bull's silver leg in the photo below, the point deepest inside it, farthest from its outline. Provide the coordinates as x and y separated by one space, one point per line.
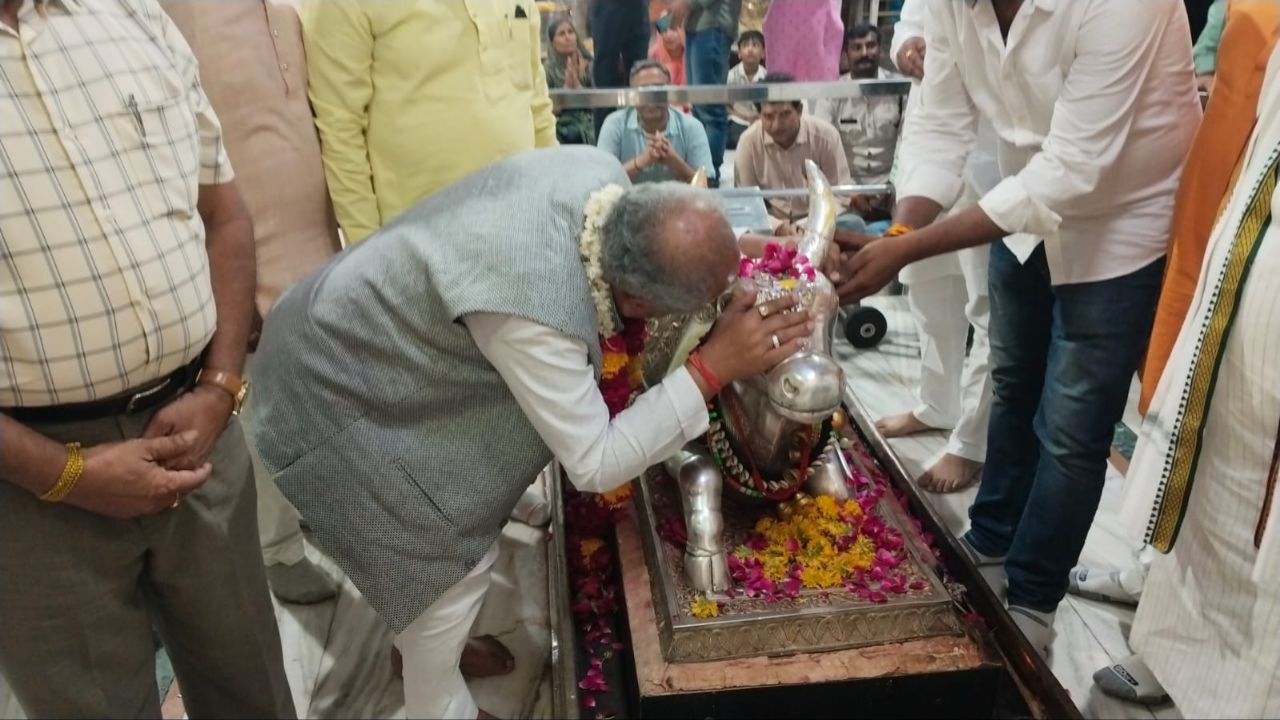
826 474
705 563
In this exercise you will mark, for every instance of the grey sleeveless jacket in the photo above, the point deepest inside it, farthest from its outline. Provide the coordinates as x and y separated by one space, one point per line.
377 415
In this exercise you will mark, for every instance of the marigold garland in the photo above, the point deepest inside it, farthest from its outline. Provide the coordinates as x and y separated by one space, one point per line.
589 518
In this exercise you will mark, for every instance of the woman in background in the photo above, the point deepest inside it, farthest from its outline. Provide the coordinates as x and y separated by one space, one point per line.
568 66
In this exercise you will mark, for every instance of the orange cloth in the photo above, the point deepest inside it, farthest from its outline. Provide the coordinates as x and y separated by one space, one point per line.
1212 166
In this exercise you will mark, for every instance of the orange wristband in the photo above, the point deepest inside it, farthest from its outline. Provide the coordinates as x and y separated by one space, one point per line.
897 229
695 359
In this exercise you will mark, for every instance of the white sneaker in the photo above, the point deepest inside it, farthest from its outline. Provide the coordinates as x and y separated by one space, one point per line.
1036 626
1131 679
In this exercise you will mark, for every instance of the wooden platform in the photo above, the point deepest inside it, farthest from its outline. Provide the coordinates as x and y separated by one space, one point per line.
897 676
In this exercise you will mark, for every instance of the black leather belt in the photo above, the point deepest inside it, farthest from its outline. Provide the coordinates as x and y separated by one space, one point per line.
149 396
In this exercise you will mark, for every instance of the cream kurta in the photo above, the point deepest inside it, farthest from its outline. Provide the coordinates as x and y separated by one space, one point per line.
1210 614
254 69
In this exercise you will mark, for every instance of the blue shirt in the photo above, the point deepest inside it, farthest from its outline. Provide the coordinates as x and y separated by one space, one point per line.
622 137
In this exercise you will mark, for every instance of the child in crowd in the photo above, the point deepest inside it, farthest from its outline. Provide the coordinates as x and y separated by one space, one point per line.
749 70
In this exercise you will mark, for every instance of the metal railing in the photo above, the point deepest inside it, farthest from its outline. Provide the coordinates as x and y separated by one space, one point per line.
724 94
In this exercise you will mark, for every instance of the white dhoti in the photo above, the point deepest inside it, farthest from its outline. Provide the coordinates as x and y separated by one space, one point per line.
947 294
1208 624
945 300
432 648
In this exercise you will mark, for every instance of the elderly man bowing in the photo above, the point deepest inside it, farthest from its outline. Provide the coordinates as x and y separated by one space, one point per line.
416 385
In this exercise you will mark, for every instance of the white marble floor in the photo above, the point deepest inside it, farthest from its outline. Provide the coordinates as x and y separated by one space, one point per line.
1089 634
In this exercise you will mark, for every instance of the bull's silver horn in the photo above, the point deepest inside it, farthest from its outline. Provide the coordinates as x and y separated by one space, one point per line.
820 226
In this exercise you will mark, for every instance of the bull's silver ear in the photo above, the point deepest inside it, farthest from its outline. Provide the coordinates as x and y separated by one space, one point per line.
699 179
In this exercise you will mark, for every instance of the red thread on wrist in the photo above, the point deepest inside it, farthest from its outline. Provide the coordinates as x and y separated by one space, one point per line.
695 359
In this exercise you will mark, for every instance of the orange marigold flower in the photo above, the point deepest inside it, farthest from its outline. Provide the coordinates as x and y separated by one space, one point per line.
613 363
616 497
588 547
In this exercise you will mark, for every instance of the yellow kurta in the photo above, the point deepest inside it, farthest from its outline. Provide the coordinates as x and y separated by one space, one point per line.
410 95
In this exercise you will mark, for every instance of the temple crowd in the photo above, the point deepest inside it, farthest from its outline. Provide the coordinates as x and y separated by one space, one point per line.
275 272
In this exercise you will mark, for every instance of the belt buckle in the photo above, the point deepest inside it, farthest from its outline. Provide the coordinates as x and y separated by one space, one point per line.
141 397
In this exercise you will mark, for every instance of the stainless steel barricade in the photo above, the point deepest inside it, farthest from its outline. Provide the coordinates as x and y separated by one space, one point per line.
724 94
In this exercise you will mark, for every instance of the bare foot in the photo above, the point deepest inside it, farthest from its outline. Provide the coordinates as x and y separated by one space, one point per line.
950 474
901 425
486 657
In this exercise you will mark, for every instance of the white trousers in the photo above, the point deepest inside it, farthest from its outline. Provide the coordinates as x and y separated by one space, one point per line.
279 523
954 394
432 648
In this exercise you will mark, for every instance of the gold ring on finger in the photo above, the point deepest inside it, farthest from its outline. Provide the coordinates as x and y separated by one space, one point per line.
764 311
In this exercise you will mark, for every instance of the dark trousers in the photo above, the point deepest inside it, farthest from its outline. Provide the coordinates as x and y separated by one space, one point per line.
1062 359
80 593
707 63
620 36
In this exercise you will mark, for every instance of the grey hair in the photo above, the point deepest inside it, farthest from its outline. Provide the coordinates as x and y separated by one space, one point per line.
648 64
634 257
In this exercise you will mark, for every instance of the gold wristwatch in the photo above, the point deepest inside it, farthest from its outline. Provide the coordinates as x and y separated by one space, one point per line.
231 384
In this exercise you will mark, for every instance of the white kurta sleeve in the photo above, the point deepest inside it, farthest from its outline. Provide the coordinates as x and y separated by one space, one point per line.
554 384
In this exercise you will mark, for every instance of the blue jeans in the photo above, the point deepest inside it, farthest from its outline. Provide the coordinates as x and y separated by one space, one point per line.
707 63
1062 359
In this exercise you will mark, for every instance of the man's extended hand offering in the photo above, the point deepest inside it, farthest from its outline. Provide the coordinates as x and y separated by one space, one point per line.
842 250
866 271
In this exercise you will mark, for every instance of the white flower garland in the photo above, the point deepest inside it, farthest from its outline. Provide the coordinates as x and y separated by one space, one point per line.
598 207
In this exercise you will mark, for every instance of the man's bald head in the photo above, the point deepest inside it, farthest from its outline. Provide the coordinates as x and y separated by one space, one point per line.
669 244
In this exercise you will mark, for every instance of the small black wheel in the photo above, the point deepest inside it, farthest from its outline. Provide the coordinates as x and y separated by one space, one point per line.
864 326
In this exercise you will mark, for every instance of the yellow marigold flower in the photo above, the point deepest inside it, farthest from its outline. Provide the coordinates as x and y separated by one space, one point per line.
588 547
779 534
827 507
859 556
776 567
851 560
835 528
818 577
818 547
613 363
851 507
763 524
704 607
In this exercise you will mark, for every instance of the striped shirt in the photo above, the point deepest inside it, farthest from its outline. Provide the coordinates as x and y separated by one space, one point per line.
105 135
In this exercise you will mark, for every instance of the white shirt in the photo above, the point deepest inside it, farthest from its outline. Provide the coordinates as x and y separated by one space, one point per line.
738 76
1094 105
553 382
911 21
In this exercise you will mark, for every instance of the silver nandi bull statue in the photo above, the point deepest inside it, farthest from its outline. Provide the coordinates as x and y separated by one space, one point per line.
766 440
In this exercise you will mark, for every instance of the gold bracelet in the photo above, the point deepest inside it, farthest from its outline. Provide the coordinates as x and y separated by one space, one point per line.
71 473
897 229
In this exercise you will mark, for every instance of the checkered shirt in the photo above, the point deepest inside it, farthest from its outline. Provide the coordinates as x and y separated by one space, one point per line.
105 136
